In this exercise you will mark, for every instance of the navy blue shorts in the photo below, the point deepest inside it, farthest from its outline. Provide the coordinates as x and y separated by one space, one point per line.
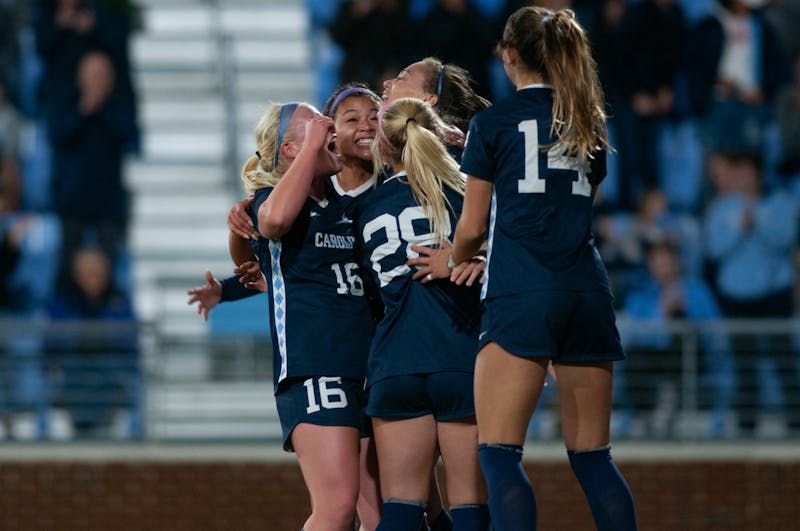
321 401
447 396
570 327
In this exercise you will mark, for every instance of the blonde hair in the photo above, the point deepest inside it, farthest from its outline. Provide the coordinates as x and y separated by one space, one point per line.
555 45
260 170
409 132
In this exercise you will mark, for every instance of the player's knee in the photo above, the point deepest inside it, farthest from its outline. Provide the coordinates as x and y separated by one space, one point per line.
338 508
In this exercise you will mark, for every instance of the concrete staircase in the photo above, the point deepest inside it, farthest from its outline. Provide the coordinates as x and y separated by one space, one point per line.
183 185
197 132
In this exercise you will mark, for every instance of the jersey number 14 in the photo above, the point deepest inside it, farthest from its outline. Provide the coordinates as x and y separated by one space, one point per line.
556 160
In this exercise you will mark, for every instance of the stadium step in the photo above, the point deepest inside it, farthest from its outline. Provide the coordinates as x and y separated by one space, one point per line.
189 56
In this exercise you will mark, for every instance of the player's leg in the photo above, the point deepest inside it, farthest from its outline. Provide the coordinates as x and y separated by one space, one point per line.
452 400
585 395
507 388
369 494
329 461
466 489
585 375
438 519
405 457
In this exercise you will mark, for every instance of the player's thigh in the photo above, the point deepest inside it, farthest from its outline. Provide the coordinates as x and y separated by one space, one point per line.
458 442
329 461
406 449
507 388
585 395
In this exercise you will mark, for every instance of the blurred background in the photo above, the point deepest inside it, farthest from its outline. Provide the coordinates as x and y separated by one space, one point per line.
123 126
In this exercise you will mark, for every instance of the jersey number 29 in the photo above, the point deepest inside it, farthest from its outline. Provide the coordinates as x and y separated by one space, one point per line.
398 230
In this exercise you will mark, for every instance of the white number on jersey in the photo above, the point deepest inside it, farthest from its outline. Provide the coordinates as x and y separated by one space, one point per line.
556 160
348 280
329 398
397 229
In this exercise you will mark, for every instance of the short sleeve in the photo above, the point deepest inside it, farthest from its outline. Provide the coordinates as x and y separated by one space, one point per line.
477 159
598 167
259 197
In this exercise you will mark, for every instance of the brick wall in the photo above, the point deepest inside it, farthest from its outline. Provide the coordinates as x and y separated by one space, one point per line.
242 496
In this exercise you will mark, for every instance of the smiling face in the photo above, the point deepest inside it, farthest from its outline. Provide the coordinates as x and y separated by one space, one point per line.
356 120
409 83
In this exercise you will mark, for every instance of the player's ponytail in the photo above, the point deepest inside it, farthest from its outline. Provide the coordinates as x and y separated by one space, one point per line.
555 45
260 170
408 131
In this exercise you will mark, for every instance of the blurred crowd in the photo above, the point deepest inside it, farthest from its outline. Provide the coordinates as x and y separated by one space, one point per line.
67 120
697 218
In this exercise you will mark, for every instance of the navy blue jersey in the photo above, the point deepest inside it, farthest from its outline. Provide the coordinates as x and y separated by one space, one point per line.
351 199
426 328
540 234
348 197
320 320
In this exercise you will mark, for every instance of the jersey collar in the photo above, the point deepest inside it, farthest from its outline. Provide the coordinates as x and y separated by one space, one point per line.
355 192
396 175
537 85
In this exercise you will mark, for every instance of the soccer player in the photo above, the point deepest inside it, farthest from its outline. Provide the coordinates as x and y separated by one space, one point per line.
449 89
354 111
421 360
534 161
320 321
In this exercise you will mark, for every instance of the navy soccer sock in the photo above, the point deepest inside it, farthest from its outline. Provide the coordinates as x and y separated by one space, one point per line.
442 522
401 515
512 504
609 497
473 517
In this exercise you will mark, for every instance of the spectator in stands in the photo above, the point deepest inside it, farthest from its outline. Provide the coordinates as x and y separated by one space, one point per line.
28 240
749 236
89 129
652 36
375 36
94 351
653 368
734 69
784 15
624 239
66 30
787 114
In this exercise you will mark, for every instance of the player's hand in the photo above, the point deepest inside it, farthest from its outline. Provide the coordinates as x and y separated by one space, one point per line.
469 271
251 275
453 136
240 222
431 263
207 296
319 130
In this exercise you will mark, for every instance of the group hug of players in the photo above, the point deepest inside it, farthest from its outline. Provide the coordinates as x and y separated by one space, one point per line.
421 282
